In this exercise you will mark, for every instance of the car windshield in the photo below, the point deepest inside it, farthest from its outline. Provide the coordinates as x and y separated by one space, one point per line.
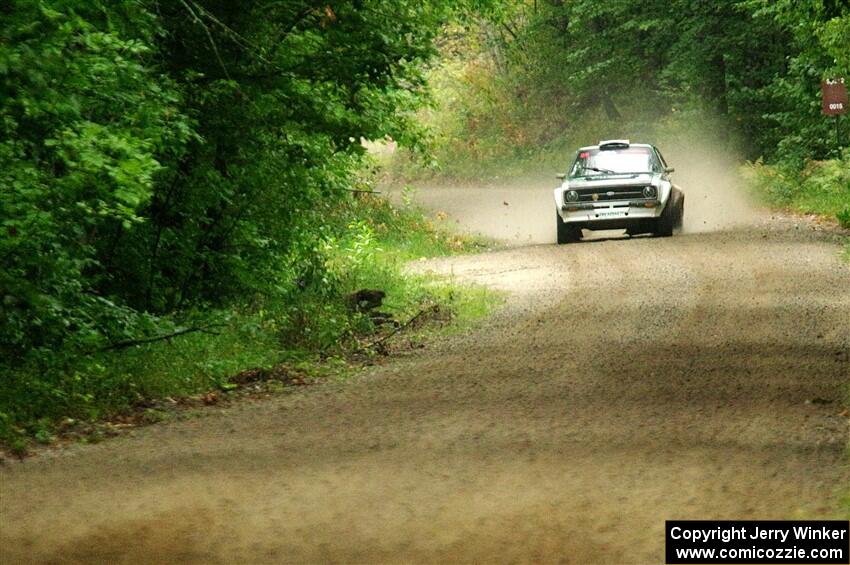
591 162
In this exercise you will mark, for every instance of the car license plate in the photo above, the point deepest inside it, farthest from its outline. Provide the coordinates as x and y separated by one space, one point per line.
610 213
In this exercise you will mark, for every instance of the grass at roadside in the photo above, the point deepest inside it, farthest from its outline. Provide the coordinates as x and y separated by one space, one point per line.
313 330
821 187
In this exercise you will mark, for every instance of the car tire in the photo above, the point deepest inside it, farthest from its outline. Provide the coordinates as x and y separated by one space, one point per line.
566 233
680 212
671 217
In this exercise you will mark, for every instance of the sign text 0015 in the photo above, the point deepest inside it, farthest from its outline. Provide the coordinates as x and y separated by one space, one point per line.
834 93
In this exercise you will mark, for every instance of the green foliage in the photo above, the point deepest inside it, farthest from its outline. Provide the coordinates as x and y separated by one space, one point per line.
159 157
844 217
819 48
84 121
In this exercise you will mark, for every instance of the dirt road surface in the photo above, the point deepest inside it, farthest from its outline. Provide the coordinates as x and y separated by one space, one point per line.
625 382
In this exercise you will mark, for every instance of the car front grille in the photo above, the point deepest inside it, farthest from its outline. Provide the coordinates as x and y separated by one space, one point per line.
610 193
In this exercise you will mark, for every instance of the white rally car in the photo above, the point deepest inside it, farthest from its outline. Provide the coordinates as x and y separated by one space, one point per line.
618 185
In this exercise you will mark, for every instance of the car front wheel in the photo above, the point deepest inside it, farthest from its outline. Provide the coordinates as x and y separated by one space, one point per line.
567 233
672 216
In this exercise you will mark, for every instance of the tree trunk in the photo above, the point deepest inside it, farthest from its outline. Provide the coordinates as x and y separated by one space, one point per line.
610 109
716 91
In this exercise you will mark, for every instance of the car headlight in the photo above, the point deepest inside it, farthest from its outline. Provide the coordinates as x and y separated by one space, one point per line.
571 196
650 192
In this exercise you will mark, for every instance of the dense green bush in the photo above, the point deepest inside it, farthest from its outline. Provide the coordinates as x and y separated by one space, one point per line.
160 157
85 123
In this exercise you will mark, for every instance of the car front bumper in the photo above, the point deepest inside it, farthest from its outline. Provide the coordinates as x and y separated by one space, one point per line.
610 212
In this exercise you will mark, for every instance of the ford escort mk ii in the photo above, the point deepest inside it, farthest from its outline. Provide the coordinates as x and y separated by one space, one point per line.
618 185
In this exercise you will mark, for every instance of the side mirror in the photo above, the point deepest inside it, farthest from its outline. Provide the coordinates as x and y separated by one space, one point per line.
561 176
669 170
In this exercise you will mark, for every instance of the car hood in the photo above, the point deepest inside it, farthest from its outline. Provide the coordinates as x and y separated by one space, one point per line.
640 179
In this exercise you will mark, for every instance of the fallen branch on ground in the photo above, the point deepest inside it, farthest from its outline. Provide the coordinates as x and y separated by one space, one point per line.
362 191
379 343
132 342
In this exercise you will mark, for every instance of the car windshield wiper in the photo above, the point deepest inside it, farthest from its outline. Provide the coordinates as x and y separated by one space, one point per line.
598 170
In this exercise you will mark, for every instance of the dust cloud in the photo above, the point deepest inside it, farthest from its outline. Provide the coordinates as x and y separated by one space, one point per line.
521 210
518 211
716 198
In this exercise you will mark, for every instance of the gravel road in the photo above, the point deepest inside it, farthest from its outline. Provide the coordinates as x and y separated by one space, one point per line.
625 382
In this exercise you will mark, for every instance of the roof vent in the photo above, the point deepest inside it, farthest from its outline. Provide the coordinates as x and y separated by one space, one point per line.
614 144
